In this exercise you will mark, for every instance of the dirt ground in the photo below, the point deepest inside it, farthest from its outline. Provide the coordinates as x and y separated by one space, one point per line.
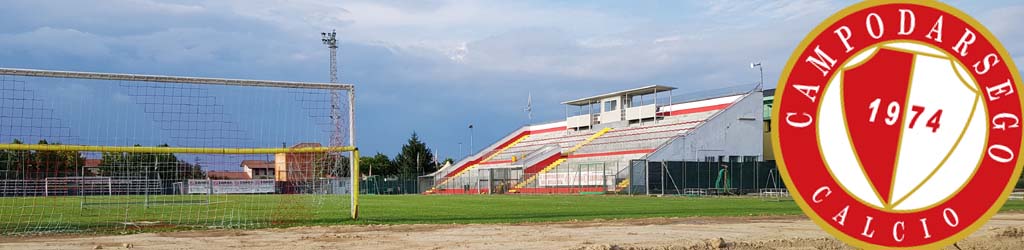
1004 231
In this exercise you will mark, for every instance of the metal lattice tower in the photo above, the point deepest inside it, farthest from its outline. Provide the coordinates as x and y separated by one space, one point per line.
330 39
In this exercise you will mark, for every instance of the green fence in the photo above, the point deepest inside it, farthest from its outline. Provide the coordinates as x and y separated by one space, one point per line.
713 176
388 185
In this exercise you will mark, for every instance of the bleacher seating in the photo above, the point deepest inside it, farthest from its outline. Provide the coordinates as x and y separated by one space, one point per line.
611 151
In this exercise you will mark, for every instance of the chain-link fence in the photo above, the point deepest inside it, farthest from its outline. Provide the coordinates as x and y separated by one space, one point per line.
721 175
389 185
585 177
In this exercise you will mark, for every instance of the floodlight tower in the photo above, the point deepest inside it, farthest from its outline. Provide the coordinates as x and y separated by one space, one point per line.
330 39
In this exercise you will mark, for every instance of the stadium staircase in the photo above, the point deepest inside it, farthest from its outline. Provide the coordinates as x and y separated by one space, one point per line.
474 164
534 177
585 142
622 185
562 158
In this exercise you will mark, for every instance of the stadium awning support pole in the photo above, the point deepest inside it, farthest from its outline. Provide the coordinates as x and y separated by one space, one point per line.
647 175
655 107
669 100
663 169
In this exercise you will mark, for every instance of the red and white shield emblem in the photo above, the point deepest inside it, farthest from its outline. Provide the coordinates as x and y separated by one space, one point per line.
899 125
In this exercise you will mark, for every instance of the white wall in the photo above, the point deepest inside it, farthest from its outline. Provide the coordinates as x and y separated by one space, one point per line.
578 121
735 131
547 126
701 103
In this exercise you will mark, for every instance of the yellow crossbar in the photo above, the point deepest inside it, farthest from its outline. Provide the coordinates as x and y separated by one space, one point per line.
170 150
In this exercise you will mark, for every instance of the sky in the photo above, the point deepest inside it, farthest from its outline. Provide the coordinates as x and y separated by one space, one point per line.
435 66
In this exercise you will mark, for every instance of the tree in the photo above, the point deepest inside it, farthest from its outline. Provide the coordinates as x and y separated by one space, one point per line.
158 166
13 163
379 163
415 159
55 163
329 164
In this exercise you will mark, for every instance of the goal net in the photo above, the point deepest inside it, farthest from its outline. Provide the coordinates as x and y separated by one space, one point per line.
83 151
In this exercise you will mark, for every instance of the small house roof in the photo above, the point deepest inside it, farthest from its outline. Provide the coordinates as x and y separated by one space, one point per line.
227 175
257 164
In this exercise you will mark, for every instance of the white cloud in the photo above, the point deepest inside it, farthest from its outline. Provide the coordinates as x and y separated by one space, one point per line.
604 42
441 53
674 38
459 54
1005 25
161 7
48 40
759 10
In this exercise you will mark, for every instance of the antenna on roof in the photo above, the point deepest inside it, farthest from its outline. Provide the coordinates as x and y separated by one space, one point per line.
529 107
760 85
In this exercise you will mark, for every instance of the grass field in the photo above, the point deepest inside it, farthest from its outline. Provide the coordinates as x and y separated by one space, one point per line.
130 213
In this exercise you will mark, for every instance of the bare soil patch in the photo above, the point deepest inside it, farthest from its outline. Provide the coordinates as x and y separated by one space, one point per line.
1004 231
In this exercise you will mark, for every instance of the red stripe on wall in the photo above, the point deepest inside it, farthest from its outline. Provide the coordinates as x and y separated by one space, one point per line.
624 152
547 130
494 162
543 164
698 109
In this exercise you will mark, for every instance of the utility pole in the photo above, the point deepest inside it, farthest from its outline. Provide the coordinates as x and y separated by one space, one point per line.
760 85
471 139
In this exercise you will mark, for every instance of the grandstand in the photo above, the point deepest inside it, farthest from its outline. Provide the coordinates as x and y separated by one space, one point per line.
607 142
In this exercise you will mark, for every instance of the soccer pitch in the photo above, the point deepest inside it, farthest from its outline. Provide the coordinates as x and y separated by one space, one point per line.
164 213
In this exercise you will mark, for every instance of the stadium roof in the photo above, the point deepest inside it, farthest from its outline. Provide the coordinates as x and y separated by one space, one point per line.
637 91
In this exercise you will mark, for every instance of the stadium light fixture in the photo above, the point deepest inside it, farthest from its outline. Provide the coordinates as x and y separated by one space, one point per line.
470 139
760 85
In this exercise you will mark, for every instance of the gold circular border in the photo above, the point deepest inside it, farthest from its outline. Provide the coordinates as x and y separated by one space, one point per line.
781 88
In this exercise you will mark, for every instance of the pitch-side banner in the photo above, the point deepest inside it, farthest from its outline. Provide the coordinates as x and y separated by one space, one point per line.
231 186
574 179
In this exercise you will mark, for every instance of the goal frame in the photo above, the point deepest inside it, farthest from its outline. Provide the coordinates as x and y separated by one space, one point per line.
350 88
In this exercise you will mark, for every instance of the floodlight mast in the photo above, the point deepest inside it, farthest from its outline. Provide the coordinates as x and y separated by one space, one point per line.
330 39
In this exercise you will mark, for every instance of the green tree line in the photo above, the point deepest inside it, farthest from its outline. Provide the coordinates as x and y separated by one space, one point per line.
30 164
164 166
415 159
39 164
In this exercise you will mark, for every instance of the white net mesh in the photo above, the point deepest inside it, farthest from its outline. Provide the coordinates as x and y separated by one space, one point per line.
94 152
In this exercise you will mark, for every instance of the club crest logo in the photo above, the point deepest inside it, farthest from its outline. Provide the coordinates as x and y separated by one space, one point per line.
898 125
